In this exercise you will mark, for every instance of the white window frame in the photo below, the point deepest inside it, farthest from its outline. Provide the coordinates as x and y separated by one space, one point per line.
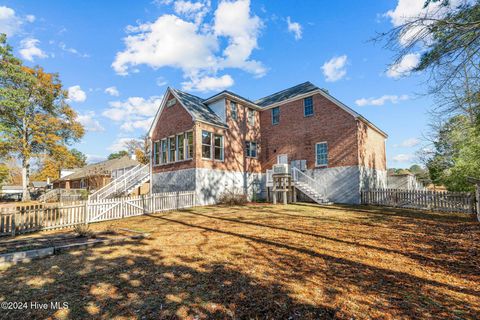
187 146
251 117
164 142
282 155
222 147
211 145
233 103
305 107
156 150
248 149
170 147
316 155
276 108
177 147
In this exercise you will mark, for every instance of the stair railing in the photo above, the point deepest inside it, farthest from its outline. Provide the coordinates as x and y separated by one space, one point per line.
299 176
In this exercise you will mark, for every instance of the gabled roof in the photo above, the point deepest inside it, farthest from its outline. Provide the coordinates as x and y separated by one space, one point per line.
226 93
101 168
287 94
197 108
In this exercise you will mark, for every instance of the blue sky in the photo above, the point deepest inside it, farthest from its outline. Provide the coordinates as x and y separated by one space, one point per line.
118 58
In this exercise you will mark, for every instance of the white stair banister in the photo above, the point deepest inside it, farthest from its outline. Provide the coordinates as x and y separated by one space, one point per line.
312 188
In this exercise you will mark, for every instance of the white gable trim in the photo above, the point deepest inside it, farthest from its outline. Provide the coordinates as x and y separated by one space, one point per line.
162 106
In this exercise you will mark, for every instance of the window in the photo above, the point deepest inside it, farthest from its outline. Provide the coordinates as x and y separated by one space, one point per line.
321 156
251 149
171 102
276 115
308 107
206 145
189 138
218 144
251 117
172 149
156 152
180 147
164 151
233 110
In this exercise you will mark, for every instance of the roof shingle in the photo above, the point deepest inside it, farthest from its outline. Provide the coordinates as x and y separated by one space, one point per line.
287 94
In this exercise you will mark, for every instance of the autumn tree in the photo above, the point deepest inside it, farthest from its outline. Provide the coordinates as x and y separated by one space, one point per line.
138 148
116 155
34 117
59 158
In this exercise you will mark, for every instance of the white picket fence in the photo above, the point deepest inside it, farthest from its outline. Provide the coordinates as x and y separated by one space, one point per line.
421 199
23 219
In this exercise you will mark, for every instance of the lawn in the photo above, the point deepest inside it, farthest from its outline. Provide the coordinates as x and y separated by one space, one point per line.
267 262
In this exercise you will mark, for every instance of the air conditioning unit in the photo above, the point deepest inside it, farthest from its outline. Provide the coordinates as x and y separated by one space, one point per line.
281 169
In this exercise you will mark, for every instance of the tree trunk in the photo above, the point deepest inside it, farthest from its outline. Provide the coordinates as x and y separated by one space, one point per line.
25 180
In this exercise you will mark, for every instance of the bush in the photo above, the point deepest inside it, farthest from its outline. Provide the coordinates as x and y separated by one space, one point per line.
233 198
82 230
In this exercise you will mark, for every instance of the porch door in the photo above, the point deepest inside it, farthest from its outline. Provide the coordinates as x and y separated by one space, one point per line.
282 159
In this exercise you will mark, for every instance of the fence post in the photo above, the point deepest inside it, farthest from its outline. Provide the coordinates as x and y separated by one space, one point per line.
85 214
13 223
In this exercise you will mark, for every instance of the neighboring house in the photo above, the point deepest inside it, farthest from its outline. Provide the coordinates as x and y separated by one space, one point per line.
227 141
405 181
94 176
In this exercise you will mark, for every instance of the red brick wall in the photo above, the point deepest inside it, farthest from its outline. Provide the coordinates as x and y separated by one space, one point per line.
297 135
173 120
234 142
371 147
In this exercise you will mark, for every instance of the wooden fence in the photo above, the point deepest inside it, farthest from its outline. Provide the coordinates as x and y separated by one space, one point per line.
23 219
420 199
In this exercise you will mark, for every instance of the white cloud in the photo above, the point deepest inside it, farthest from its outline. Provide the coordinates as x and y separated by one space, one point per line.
335 68
206 83
30 18
74 51
408 10
295 28
120 144
234 21
380 101
89 121
113 91
10 23
403 157
133 113
404 66
192 10
76 94
411 142
29 49
194 47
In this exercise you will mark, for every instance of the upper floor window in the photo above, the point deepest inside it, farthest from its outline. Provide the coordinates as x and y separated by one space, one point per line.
233 110
218 144
251 149
171 102
308 107
276 115
156 152
251 117
206 145
321 154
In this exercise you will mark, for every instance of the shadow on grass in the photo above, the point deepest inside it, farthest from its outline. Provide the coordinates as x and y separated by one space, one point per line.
141 286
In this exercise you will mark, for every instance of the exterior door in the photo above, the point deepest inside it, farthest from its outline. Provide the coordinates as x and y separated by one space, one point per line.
282 159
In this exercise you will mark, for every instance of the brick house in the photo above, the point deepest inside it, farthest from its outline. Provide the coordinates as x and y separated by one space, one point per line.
227 141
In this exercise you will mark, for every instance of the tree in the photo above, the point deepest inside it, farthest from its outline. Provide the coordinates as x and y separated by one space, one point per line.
117 155
34 118
448 41
61 158
139 148
3 173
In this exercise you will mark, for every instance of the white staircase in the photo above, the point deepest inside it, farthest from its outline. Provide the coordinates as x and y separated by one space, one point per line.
310 187
124 184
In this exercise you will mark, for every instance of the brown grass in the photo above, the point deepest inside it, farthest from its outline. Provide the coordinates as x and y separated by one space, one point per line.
266 262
